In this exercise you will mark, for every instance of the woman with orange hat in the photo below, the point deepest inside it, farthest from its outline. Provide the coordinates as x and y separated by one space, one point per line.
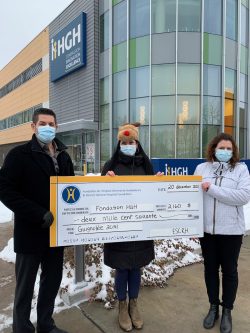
128 257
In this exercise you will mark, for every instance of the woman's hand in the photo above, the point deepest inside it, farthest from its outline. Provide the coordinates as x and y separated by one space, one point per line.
110 173
159 173
205 186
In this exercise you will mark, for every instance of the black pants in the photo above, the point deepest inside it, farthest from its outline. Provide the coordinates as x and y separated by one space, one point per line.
221 251
27 265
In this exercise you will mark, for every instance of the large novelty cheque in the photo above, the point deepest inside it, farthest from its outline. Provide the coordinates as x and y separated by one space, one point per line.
124 208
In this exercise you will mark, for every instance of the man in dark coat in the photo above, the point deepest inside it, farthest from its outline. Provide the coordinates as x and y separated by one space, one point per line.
25 189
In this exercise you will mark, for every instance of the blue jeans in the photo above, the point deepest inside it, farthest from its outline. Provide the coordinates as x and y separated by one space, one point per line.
127 279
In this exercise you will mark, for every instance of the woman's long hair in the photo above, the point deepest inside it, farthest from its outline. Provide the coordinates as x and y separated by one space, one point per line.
210 154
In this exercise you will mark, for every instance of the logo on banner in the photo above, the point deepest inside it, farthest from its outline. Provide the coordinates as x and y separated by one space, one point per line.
71 194
176 171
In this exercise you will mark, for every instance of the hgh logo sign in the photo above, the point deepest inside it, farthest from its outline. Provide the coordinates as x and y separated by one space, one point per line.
72 38
68 48
71 194
175 171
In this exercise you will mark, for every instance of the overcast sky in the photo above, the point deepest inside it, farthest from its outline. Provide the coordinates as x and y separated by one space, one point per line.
22 20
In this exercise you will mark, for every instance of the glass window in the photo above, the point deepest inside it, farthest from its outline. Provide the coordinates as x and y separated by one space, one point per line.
143 138
243 115
213 16
243 88
230 83
243 59
162 141
244 26
104 31
188 80
229 117
104 116
19 118
114 2
31 112
103 5
139 52
120 86
243 143
104 91
139 18
120 22
139 82
245 3
163 79
212 80
25 116
243 130
163 16
231 19
119 113
2 124
114 139
189 15
163 110
188 141
212 49
139 110
104 143
119 57
212 110
208 133
188 110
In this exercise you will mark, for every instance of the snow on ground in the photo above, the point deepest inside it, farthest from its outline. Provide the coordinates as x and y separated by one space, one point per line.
169 255
5 214
8 254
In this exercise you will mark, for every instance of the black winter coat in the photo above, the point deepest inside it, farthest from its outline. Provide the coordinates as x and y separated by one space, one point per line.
128 255
25 189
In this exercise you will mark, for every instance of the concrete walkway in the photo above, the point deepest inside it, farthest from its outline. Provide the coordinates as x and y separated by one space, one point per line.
178 308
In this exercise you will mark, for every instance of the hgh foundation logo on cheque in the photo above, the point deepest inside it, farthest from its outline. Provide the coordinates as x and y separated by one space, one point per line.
71 194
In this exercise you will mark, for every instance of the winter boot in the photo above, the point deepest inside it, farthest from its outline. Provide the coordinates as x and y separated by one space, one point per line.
212 316
135 314
226 321
123 318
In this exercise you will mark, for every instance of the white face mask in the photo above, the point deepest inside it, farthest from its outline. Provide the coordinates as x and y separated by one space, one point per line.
46 133
223 155
128 149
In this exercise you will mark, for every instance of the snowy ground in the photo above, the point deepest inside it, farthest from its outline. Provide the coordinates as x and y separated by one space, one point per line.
170 255
5 214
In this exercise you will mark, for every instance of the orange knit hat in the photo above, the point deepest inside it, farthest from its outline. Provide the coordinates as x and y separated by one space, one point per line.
128 132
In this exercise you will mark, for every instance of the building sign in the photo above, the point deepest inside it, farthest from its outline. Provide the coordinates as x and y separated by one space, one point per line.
68 48
180 166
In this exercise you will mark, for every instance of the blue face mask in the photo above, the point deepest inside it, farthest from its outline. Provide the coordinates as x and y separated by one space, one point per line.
128 149
46 133
223 155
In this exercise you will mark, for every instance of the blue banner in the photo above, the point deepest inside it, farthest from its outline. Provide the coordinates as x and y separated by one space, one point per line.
68 48
180 166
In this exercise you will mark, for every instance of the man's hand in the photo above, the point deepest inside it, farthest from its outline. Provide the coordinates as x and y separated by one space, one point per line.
48 219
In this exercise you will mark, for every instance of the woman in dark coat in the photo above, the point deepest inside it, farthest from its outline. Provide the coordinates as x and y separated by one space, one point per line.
128 257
